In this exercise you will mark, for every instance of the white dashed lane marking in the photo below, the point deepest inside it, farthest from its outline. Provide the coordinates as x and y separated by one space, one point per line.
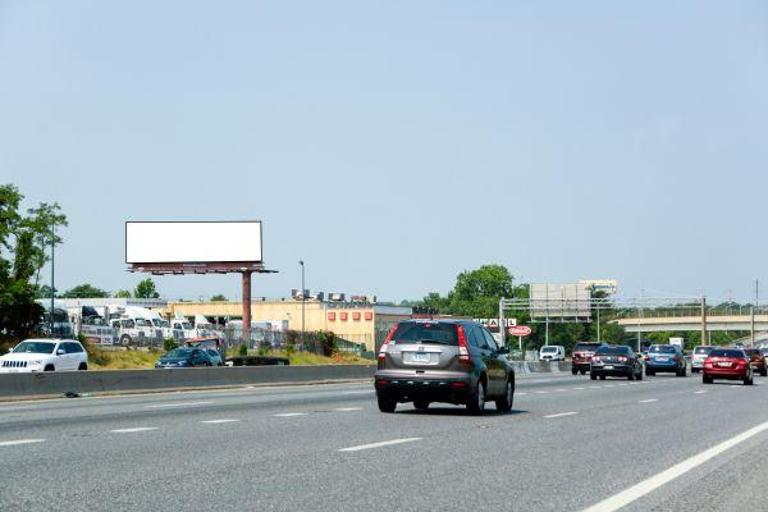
219 422
561 414
289 414
649 401
20 442
132 430
178 404
380 444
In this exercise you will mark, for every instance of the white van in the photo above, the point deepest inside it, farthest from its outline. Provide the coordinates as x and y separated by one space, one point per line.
552 353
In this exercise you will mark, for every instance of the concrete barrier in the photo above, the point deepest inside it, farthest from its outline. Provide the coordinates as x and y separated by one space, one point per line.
18 385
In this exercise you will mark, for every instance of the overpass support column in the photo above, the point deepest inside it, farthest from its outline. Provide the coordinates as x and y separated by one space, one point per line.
704 337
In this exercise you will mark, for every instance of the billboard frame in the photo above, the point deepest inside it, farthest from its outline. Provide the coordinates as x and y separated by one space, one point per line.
173 267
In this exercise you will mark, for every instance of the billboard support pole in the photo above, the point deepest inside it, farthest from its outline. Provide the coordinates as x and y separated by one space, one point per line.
502 328
246 307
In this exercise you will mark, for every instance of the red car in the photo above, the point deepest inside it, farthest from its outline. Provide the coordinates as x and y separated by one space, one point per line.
727 363
581 357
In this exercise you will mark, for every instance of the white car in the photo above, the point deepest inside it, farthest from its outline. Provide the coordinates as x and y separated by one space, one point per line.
552 353
44 355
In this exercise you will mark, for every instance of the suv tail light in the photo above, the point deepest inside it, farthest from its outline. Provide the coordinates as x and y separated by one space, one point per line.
622 359
383 349
463 347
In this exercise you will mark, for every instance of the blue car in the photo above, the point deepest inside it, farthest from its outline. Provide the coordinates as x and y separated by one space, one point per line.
666 358
184 358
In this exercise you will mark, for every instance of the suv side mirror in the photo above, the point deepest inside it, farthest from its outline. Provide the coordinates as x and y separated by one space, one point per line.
60 352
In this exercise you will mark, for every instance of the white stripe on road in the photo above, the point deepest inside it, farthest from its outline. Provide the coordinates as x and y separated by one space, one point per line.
348 409
379 445
179 404
649 401
521 394
636 492
21 441
699 392
132 430
218 422
366 392
542 392
289 414
560 415
561 389
580 389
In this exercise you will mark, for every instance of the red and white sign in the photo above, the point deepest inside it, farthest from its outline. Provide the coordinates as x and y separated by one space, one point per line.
519 330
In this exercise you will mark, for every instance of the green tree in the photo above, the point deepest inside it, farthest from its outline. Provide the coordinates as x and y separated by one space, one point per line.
21 258
85 291
146 290
477 292
218 298
123 294
45 222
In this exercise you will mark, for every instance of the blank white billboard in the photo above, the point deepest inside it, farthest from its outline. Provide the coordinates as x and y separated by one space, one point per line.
192 242
560 301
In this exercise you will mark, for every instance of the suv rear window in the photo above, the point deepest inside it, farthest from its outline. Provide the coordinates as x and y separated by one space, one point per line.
662 349
586 347
612 350
702 350
426 332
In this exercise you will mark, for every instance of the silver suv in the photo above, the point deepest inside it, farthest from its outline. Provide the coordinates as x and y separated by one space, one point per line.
454 361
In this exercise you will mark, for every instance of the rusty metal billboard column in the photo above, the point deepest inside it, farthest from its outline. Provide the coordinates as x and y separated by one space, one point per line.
246 307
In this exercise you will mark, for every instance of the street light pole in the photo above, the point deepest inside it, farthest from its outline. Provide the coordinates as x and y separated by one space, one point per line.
53 266
303 299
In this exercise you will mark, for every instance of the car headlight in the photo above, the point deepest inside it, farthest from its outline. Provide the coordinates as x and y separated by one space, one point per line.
182 363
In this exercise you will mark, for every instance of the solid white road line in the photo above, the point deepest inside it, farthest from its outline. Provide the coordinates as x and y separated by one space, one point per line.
348 409
561 389
521 394
699 392
21 441
289 414
379 445
542 392
636 492
560 415
361 392
179 404
579 389
218 422
649 401
132 430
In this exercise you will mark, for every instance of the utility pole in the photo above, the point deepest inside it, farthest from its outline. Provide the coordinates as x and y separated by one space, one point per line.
752 326
757 293
502 329
53 267
598 323
303 299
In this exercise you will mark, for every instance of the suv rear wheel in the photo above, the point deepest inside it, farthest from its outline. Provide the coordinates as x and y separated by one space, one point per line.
387 405
476 401
504 404
764 371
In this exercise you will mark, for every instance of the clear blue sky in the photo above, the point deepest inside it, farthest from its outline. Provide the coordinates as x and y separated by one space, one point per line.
394 144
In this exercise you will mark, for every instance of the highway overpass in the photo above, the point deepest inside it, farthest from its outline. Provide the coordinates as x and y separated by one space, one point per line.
693 323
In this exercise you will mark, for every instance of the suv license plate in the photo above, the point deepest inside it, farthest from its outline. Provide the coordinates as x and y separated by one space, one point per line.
608 367
724 364
420 357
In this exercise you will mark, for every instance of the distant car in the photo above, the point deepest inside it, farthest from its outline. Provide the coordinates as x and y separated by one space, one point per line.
757 361
582 355
728 363
45 355
616 361
700 353
215 356
454 361
184 357
666 358
552 353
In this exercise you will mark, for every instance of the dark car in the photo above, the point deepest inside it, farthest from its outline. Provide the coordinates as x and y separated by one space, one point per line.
757 361
666 358
184 358
453 361
728 363
581 356
616 361
215 356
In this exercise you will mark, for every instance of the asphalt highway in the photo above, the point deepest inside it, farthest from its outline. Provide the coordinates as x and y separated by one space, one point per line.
665 443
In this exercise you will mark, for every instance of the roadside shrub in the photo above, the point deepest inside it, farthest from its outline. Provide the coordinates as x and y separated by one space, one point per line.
327 342
169 344
243 350
95 354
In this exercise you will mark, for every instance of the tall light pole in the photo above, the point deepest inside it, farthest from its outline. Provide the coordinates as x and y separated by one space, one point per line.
303 299
53 266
